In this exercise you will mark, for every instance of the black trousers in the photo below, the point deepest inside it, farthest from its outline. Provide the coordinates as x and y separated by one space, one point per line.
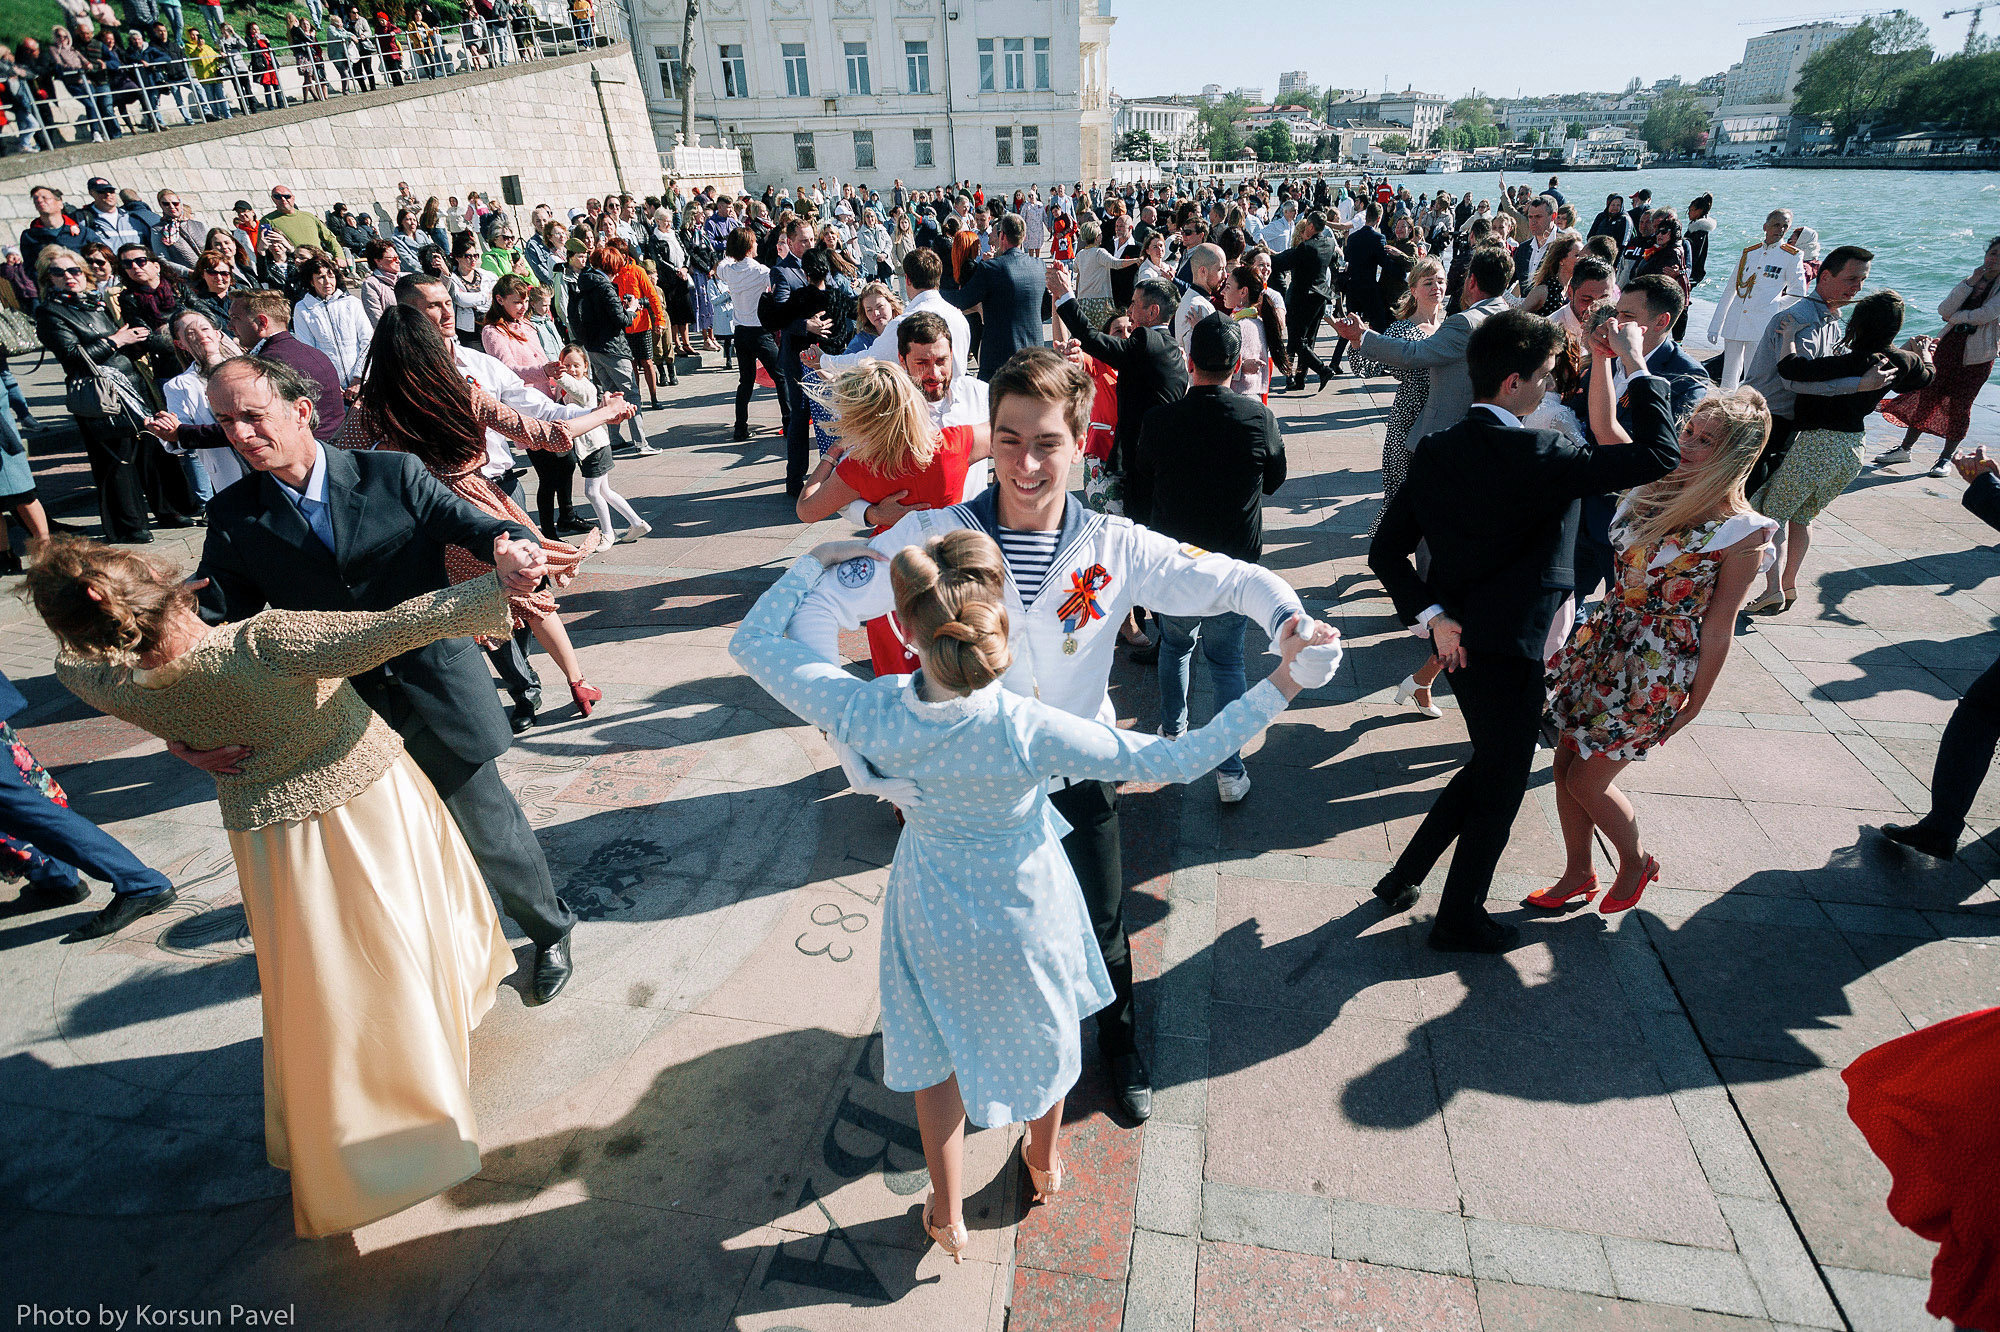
510 662
755 347
1091 810
554 473
495 830
1501 699
976 326
1305 316
131 472
1964 755
798 423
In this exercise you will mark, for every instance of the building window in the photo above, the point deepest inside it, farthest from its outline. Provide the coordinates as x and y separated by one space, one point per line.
743 146
986 64
669 59
857 68
864 150
917 56
797 83
1003 146
1042 64
924 157
1031 145
735 75
802 151
1015 50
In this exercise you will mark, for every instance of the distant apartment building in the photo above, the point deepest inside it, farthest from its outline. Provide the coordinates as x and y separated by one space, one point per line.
1293 82
1755 116
1248 94
1422 114
1003 92
1172 121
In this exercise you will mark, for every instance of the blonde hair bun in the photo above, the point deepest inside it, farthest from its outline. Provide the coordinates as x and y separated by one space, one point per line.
950 598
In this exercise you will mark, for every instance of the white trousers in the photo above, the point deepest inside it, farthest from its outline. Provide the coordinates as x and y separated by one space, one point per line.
1735 355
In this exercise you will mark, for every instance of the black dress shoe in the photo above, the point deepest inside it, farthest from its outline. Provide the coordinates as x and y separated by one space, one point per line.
1133 1085
138 539
1148 655
522 717
1485 936
44 895
1919 838
574 526
124 909
1395 894
552 970
739 435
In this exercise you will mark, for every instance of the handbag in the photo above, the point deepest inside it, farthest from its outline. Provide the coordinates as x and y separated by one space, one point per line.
17 332
105 392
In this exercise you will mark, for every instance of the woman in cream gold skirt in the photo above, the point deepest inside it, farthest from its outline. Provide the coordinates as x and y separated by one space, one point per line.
378 949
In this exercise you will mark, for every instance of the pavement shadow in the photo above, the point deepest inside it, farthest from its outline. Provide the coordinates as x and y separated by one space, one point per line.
1957 570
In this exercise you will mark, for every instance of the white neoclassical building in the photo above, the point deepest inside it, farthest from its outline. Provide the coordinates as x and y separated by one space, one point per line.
1005 93
1170 120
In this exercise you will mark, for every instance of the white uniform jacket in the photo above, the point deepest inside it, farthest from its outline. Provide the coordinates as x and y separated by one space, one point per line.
1766 277
1063 643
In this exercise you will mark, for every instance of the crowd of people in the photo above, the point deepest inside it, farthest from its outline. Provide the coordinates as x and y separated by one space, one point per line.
1051 415
105 72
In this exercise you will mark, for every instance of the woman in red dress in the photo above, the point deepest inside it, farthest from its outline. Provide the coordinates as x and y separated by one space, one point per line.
1925 1103
888 450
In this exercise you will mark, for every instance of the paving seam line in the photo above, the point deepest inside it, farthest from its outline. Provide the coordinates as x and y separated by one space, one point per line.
1687 1014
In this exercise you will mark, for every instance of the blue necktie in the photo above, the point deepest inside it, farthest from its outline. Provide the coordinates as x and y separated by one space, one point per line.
319 520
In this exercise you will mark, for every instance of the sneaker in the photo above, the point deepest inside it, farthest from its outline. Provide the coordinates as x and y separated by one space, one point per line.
1165 734
1891 458
1941 469
641 451
1232 788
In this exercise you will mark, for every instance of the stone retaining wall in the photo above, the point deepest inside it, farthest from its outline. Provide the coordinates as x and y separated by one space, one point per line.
540 120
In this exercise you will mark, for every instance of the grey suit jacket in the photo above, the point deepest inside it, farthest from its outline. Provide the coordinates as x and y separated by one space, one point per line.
1443 354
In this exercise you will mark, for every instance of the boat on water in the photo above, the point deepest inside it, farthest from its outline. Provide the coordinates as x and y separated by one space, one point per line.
1443 164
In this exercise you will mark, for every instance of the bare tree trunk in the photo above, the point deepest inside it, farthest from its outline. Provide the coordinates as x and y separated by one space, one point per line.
687 73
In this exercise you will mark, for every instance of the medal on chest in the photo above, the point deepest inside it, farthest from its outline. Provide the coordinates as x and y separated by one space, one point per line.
1079 605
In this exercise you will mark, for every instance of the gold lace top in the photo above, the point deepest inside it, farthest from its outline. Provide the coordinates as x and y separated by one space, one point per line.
277 683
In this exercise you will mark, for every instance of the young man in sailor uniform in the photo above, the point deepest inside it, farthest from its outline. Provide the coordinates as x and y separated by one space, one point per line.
1071 577
1767 275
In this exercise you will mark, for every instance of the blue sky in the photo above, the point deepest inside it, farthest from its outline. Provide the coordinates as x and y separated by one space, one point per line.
1447 46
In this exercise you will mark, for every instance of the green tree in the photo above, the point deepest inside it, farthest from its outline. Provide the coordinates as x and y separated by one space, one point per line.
1962 91
1675 125
1273 143
1864 74
1138 146
1577 129
1395 143
1216 130
1472 112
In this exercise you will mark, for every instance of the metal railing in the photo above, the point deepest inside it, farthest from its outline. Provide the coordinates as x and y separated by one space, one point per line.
146 94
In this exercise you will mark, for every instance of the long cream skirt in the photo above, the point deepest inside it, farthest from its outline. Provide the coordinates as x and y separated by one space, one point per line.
378 952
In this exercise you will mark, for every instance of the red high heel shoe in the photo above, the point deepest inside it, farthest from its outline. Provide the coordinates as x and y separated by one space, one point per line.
1613 905
585 695
1550 900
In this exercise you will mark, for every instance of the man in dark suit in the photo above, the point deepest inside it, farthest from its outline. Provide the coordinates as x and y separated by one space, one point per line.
1311 264
1207 461
1496 502
1008 289
1151 370
1966 752
318 528
799 319
1650 304
1365 252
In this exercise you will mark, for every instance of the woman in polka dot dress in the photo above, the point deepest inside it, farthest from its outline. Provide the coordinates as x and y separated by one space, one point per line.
988 960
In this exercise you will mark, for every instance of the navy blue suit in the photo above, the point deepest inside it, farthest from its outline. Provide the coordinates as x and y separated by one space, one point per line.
53 840
1687 382
1008 288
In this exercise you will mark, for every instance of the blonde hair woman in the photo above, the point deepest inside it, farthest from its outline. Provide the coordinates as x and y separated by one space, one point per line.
377 946
873 309
1640 668
889 451
988 960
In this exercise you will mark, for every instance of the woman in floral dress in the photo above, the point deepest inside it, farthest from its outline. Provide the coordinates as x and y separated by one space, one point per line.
1641 667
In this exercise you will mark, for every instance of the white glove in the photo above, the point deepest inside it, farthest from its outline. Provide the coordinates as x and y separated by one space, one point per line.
1715 324
863 778
1314 666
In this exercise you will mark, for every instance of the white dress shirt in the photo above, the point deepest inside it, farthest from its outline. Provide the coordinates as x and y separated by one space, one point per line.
884 346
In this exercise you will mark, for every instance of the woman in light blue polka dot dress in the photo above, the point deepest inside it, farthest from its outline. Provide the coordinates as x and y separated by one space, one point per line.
988 960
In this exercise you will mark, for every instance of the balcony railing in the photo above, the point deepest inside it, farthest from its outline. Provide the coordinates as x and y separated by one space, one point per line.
151 90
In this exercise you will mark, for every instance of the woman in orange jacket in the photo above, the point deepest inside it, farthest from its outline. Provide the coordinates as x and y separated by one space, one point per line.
647 312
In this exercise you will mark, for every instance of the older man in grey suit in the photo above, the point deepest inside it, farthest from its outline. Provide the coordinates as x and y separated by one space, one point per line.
1443 352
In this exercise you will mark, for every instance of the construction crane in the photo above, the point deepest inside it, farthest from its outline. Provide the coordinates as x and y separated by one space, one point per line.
1972 29
1790 19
